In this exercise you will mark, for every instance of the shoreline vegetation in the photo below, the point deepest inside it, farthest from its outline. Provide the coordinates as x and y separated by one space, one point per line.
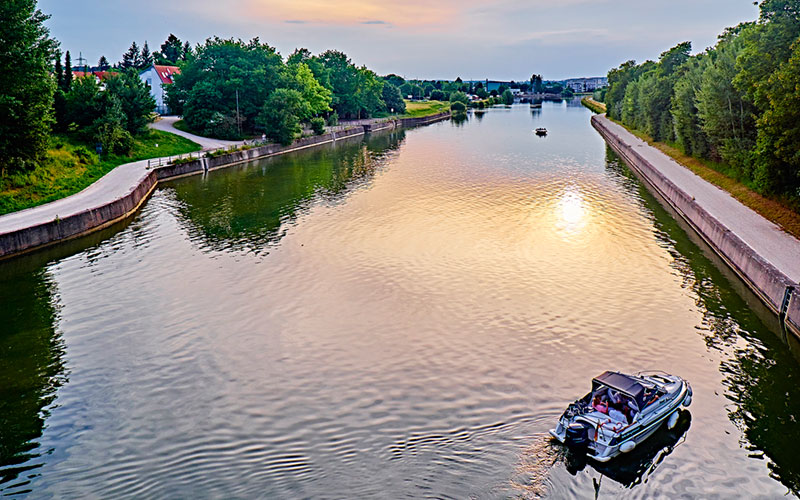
731 108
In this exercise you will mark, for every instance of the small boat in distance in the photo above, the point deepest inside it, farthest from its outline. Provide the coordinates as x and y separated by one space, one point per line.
620 412
541 131
535 105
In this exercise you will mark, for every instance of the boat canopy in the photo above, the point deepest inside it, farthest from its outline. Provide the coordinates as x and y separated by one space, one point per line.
621 383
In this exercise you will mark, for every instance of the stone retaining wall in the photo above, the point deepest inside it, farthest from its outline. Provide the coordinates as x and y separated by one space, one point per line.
768 283
78 224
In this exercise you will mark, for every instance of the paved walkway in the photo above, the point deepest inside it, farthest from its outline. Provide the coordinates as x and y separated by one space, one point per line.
167 124
110 187
781 249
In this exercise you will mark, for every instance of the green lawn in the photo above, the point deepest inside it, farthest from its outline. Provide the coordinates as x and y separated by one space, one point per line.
181 125
597 107
417 109
71 166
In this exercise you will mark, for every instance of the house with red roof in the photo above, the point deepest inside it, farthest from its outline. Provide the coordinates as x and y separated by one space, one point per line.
157 77
99 76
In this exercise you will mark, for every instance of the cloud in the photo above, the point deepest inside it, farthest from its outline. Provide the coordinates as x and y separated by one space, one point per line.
403 13
295 21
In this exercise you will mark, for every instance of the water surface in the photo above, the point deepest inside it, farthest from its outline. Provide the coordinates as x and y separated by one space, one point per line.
401 316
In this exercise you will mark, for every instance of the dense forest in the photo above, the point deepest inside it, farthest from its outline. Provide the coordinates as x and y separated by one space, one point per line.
737 103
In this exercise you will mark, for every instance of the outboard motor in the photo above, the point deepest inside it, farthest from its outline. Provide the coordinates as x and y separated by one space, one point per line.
577 436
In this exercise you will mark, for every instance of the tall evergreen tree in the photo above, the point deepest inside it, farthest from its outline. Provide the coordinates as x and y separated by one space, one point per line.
145 58
172 49
130 58
26 86
67 73
59 70
187 51
103 63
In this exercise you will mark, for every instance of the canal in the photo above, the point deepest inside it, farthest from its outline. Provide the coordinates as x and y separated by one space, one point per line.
401 316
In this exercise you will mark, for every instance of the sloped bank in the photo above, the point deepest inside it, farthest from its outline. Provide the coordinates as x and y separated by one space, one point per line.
772 285
42 227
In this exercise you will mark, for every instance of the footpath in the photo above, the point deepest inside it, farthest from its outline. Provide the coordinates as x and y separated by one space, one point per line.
119 193
764 256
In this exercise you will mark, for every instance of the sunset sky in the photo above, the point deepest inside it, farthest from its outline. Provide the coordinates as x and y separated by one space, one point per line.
443 39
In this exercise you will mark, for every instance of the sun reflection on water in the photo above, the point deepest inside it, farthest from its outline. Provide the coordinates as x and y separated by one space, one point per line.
571 211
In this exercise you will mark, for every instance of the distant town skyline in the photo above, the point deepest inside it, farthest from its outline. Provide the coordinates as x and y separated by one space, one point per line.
507 40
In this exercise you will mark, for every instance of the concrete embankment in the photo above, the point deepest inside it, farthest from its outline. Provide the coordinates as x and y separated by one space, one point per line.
764 257
118 194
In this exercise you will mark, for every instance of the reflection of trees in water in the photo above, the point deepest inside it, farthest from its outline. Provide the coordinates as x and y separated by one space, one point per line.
761 375
31 369
459 119
248 208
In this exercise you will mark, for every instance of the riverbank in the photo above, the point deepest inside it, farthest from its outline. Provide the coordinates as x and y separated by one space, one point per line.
118 194
771 209
597 107
758 251
72 166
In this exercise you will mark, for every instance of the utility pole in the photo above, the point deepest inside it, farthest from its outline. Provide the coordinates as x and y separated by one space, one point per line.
238 122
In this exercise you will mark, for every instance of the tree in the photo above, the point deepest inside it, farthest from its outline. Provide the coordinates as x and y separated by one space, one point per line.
108 129
459 97
145 58
136 102
171 49
299 77
187 51
211 79
103 64
536 83
67 82
26 86
82 104
688 131
395 80
130 59
280 115
778 161
508 97
356 92
393 99
59 71
438 95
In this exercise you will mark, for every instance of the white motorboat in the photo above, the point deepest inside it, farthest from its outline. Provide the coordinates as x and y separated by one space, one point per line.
621 411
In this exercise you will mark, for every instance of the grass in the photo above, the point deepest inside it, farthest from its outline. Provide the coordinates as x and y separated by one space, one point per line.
784 214
418 109
597 107
181 125
72 166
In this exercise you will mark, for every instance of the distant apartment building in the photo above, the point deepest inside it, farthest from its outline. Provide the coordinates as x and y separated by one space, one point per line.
586 84
156 77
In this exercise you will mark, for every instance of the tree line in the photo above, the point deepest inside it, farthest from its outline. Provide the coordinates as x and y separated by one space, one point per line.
737 102
230 89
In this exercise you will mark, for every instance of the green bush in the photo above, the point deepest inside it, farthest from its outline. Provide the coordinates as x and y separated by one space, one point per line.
333 119
458 107
318 125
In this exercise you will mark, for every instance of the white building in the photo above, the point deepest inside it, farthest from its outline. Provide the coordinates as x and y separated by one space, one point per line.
156 77
586 84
